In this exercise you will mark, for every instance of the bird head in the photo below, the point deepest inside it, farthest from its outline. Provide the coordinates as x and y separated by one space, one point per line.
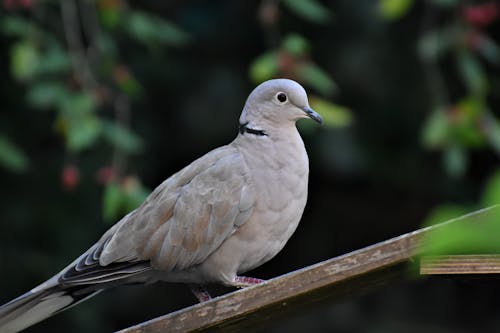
276 103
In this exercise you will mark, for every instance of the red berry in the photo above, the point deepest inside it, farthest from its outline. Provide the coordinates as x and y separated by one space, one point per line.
481 15
70 177
26 3
105 175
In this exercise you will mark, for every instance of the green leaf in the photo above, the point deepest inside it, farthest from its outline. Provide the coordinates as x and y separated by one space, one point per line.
491 129
46 94
491 194
311 10
141 27
122 138
112 202
11 157
444 213
465 238
121 198
16 26
110 16
472 73
295 44
455 161
130 86
83 133
75 105
334 115
472 107
489 50
263 68
316 78
465 128
468 136
77 120
436 132
24 59
394 9
107 45
53 60
149 29
435 43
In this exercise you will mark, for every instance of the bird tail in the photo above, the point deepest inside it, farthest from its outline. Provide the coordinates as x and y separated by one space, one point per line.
38 304
82 279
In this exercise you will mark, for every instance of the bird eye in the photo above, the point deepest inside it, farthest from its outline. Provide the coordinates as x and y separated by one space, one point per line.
281 97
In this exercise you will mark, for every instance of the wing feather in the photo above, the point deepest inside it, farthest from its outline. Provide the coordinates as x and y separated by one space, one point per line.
187 217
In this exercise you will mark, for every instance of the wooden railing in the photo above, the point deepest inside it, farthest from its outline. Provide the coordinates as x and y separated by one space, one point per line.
330 280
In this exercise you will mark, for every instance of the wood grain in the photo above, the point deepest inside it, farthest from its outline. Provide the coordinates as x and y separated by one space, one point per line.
329 280
460 264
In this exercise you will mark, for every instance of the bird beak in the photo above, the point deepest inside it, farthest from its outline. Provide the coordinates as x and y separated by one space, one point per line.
313 114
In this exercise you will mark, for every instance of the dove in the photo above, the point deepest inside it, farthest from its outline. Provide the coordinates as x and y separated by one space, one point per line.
224 214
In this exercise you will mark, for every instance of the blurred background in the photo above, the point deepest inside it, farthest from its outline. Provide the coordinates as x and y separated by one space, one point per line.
104 99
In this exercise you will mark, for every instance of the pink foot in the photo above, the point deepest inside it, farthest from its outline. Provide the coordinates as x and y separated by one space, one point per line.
201 293
246 281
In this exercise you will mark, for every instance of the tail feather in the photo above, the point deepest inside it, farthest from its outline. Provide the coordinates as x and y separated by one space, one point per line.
37 305
80 280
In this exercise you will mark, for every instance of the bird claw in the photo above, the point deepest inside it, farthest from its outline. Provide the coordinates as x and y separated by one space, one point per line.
240 282
246 281
200 293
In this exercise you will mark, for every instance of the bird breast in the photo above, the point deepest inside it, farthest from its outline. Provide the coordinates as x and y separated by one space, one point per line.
279 171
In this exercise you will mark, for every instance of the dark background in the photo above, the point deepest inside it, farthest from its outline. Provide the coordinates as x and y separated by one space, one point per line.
369 181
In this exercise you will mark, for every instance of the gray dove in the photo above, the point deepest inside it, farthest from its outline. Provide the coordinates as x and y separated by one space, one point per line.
226 213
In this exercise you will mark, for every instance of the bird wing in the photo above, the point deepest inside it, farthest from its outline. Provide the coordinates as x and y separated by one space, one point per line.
186 218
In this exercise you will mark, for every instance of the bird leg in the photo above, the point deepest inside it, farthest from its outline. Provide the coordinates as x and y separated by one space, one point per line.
240 281
201 293
246 281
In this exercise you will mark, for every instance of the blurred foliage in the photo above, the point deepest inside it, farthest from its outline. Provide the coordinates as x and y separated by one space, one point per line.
292 58
123 197
311 10
465 123
464 238
11 157
83 79
467 238
333 115
394 9
153 31
86 83
106 98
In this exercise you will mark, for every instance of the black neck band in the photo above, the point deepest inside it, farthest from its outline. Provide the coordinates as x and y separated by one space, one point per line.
244 129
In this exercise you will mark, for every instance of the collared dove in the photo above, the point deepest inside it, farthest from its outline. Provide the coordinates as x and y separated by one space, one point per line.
226 213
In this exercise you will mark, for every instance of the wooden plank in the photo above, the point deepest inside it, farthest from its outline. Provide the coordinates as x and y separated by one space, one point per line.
460 264
328 280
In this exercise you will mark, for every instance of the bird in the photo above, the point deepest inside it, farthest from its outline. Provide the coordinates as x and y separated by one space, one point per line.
224 214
